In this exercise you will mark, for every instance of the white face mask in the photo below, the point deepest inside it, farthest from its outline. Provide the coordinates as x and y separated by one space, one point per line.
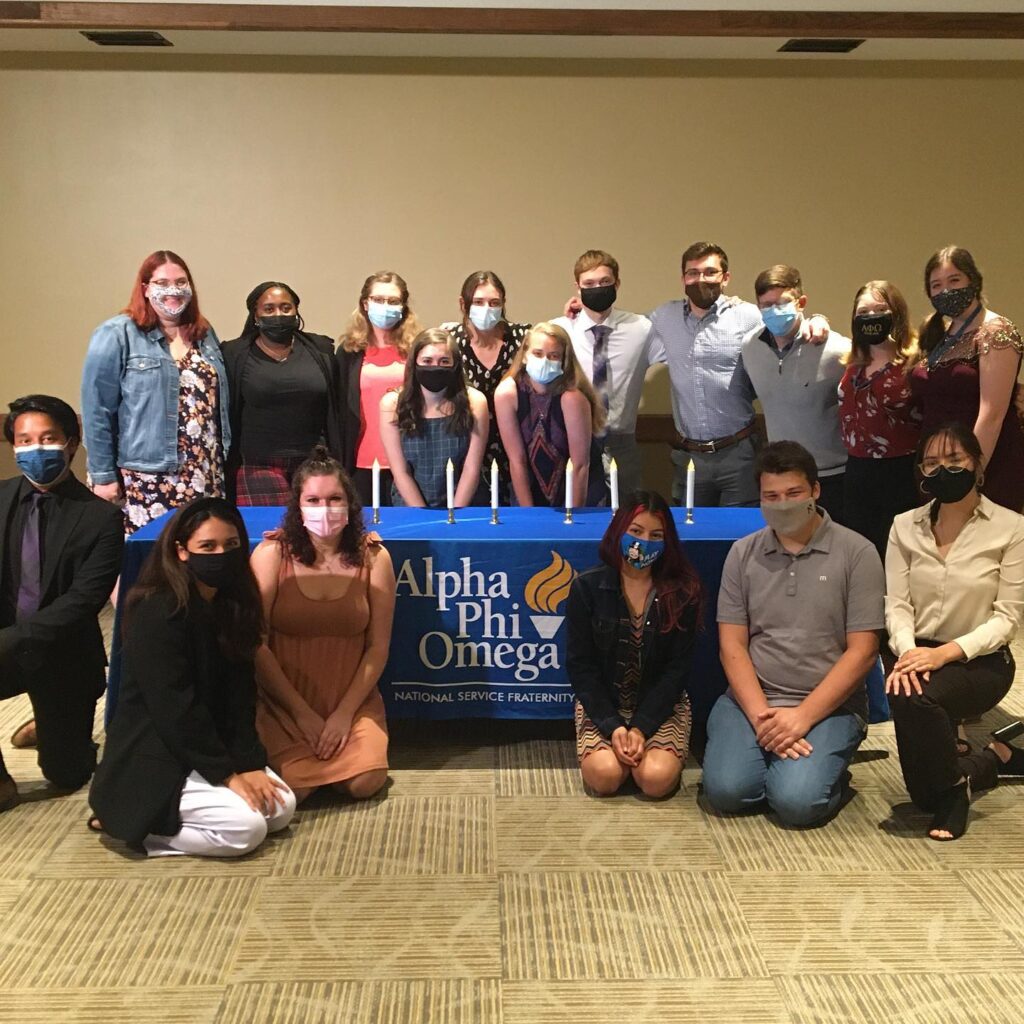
542 370
323 520
485 317
158 296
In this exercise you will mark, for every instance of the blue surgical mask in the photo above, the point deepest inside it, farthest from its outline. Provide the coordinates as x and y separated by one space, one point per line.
383 316
640 553
485 317
542 370
41 463
780 319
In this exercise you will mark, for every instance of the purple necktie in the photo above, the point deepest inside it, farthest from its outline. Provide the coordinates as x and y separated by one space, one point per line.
30 587
601 332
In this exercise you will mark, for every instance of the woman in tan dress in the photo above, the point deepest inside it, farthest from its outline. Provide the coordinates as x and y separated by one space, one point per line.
329 597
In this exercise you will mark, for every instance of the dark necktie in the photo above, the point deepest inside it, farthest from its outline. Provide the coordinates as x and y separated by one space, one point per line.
30 587
601 332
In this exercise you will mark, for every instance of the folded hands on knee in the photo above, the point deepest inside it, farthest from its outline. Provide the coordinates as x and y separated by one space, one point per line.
783 732
628 745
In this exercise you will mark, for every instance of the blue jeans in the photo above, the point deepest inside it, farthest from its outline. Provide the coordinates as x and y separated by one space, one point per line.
805 793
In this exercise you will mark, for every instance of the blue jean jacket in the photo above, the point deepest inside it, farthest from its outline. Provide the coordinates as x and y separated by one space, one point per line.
130 399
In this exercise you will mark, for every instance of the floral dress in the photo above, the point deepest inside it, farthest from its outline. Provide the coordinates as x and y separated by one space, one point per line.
200 472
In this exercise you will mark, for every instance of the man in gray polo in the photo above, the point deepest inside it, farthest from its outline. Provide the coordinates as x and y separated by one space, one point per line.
798 612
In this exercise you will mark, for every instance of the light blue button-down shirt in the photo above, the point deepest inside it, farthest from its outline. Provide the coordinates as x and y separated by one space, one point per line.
712 395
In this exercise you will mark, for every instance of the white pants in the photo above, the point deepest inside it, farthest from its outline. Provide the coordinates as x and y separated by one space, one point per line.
217 822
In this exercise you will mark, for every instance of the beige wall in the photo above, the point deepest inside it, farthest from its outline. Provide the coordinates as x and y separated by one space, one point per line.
319 172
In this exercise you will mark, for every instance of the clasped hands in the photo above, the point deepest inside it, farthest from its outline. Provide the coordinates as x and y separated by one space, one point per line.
913 668
327 736
628 745
783 732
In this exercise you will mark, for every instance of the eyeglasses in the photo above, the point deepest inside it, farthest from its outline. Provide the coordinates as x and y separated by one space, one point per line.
391 300
956 464
707 274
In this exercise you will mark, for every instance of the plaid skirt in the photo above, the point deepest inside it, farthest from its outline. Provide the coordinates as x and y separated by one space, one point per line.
268 482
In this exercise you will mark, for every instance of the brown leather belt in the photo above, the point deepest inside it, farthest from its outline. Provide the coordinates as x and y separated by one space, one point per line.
686 444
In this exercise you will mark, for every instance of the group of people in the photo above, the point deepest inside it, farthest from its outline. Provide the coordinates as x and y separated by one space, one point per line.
248 684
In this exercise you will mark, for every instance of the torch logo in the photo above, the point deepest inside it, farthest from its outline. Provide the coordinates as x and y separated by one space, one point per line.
545 591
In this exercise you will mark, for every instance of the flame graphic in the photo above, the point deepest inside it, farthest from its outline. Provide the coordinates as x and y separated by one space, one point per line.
548 588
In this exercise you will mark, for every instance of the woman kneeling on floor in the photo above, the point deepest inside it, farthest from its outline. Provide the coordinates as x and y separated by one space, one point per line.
632 625
183 770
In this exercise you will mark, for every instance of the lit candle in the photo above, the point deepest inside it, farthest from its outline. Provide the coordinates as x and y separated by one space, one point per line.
613 481
568 483
691 481
449 473
376 485
494 485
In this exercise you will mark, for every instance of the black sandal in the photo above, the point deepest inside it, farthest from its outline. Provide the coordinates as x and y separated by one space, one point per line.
1014 767
951 813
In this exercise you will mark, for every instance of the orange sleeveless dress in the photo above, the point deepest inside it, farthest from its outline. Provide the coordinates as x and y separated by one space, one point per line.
319 645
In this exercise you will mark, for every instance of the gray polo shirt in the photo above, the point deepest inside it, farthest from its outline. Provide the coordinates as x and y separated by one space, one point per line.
799 392
799 608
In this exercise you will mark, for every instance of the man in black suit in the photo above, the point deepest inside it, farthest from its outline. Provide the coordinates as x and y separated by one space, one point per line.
61 554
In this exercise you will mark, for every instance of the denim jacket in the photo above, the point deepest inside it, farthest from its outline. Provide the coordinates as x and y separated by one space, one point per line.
598 636
130 399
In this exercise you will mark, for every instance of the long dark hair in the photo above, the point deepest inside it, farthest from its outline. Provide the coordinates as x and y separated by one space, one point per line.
351 540
238 610
934 328
409 408
676 582
474 281
250 329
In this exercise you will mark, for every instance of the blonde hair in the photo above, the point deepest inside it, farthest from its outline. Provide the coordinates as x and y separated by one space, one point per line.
902 332
356 335
572 377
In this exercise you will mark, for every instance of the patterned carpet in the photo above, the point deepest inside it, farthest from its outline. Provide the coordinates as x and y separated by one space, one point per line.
487 887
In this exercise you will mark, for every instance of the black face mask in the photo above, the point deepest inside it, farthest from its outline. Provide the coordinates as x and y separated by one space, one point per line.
954 301
703 294
872 328
278 329
947 487
599 299
435 378
219 570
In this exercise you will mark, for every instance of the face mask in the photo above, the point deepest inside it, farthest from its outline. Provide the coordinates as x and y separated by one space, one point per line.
703 294
788 517
278 329
485 317
219 570
599 299
435 378
946 485
324 521
872 328
542 370
780 319
41 463
158 300
384 317
640 553
953 302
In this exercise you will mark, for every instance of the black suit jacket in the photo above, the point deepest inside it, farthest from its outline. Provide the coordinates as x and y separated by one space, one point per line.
236 352
183 707
83 540
350 366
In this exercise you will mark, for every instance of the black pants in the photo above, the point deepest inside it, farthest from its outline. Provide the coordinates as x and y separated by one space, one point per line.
878 490
833 497
64 719
926 724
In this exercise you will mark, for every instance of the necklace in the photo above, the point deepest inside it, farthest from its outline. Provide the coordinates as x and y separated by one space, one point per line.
269 353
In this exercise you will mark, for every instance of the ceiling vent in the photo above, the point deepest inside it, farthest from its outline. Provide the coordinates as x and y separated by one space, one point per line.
127 39
820 45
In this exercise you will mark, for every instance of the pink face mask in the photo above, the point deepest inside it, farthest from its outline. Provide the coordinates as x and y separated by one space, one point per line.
324 521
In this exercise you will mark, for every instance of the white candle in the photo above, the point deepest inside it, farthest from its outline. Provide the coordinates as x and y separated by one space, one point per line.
449 472
613 481
494 484
376 485
568 483
691 481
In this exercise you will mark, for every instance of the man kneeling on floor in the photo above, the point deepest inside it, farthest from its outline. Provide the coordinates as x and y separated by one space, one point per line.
798 610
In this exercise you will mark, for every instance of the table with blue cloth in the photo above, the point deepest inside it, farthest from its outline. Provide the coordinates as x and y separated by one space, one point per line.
479 628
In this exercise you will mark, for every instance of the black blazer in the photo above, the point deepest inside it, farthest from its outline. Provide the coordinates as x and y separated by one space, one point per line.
83 539
183 707
350 366
235 353
598 633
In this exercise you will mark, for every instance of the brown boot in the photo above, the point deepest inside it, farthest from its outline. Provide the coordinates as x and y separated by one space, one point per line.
8 793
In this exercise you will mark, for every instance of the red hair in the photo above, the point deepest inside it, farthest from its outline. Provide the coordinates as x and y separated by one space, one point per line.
676 583
193 324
